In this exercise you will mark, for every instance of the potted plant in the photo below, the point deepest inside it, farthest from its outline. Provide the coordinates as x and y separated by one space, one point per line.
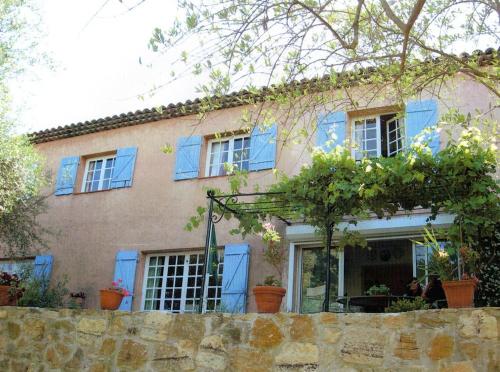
378 290
112 297
269 295
9 289
455 267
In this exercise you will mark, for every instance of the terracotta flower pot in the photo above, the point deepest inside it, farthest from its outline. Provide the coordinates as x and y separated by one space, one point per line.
110 300
459 293
268 298
6 298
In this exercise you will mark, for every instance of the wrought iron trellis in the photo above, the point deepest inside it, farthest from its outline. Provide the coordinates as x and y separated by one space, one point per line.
280 208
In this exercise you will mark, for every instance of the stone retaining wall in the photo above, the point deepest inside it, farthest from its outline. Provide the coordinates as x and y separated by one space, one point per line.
440 340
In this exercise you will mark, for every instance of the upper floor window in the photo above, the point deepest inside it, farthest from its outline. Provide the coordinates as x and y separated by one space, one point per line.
235 151
375 136
98 173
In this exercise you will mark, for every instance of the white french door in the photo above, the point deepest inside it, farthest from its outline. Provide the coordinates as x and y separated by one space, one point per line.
172 283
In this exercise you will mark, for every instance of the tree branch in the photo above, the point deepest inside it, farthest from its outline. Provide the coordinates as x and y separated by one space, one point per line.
355 26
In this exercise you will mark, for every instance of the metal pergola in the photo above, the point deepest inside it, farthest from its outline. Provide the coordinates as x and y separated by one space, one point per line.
279 207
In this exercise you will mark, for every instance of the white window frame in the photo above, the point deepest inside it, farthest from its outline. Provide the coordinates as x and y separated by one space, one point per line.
354 146
402 138
295 270
426 260
229 154
184 286
101 180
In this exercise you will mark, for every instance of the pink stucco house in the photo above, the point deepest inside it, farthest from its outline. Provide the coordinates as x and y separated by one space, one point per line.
119 204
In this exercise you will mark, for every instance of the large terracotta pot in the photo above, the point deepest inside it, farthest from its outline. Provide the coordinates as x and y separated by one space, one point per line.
110 300
268 298
6 298
459 293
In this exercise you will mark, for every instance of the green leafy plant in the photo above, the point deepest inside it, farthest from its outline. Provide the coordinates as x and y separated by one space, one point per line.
458 180
273 253
380 289
447 261
271 281
37 293
407 304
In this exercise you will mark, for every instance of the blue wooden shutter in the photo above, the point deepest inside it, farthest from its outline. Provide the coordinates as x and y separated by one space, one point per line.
43 268
125 265
235 278
263 148
187 157
421 115
124 167
66 176
331 130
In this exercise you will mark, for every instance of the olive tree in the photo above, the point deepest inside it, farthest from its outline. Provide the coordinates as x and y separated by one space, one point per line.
21 168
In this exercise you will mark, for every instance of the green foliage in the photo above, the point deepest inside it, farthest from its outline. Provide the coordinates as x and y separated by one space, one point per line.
407 304
381 289
276 42
457 180
273 252
21 168
270 281
37 293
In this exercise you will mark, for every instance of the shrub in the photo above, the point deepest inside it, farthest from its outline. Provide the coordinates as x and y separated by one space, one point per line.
37 293
407 304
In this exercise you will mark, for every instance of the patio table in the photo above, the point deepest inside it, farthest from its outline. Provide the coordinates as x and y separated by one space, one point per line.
371 304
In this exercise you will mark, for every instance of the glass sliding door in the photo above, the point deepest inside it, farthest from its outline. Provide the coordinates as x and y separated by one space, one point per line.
313 280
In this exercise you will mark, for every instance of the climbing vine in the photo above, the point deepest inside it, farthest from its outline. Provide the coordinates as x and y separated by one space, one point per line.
458 180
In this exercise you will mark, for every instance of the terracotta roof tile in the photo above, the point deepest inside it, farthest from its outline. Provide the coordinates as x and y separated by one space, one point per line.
191 107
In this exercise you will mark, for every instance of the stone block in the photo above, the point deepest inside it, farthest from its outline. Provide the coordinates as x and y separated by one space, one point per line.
187 325
53 358
214 342
75 363
243 360
211 361
100 367
441 347
34 328
92 326
132 354
331 335
406 347
293 354
478 324
302 329
3 314
363 346
14 330
108 347
327 318
430 319
399 321
265 334
471 350
458 367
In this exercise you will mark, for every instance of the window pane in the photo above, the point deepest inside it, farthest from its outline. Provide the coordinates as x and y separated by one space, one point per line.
238 144
314 280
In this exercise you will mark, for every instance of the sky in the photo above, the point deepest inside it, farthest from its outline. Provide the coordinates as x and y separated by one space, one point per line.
95 46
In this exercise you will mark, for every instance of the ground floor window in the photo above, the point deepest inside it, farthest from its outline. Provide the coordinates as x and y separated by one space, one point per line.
20 267
391 261
313 279
173 283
